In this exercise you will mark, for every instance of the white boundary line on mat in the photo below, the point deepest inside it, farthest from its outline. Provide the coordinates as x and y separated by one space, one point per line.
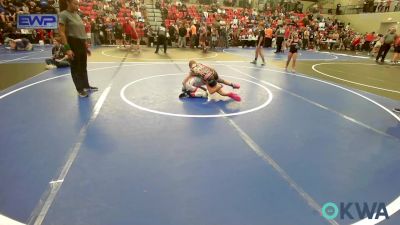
349 81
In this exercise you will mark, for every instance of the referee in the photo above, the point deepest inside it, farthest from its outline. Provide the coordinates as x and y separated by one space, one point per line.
73 37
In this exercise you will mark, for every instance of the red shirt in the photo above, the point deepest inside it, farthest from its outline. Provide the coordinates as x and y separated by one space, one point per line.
369 37
127 28
397 41
287 33
356 41
40 33
87 27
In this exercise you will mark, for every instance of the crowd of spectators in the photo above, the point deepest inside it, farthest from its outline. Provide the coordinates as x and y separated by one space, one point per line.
239 27
9 9
108 20
102 18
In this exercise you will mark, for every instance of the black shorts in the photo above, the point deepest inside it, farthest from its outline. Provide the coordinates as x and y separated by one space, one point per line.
293 49
128 38
213 80
397 49
118 35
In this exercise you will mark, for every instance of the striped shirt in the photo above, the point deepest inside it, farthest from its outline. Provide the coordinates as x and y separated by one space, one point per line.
202 71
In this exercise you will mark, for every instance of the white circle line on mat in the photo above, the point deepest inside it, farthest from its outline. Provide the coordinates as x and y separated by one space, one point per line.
123 96
104 52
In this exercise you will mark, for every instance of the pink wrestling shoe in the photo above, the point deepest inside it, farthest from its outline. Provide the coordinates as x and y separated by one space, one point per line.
235 86
234 97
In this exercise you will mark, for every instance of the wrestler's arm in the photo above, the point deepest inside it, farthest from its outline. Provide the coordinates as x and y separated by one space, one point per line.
190 75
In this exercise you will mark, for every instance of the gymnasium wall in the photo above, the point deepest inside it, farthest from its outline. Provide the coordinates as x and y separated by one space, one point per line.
306 4
346 2
378 22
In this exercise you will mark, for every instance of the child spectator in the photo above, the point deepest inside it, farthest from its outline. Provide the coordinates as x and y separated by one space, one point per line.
59 57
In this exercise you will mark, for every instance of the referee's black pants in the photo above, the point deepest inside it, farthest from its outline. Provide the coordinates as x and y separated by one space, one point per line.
383 50
79 63
268 42
161 40
279 41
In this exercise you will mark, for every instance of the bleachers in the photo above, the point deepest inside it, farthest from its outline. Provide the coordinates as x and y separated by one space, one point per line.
230 14
86 8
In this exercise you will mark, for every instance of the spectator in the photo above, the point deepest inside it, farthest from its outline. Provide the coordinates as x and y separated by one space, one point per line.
338 11
387 5
369 38
134 36
150 36
127 28
279 34
380 6
59 57
203 37
182 36
193 35
268 37
110 33
95 35
306 38
164 13
157 4
118 30
397 6
334 40
172 31
214 37
88 29
188 31
377 45
223 34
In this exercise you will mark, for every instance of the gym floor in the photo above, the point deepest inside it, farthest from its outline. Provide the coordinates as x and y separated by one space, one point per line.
134 153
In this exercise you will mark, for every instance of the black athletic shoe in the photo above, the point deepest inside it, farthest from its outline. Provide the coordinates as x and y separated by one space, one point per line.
92 89
83 94
184 95
396 110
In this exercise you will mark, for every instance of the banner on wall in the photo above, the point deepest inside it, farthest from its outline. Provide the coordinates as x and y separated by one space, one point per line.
37 21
